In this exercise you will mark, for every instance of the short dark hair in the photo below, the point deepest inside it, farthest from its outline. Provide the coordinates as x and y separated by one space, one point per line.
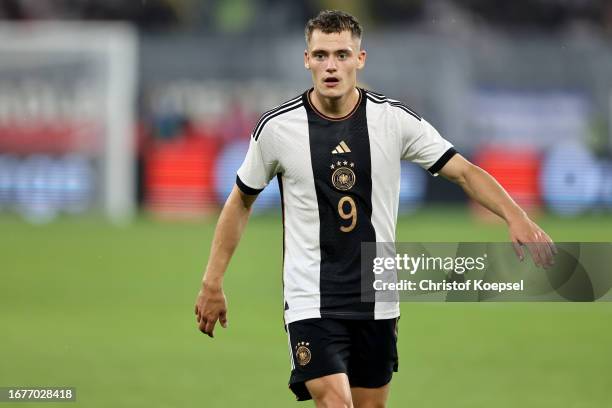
333 21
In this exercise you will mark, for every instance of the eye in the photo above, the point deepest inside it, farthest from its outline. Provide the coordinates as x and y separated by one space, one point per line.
342 56
319 56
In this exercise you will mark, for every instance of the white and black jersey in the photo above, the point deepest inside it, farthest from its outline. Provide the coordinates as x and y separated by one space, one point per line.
339 182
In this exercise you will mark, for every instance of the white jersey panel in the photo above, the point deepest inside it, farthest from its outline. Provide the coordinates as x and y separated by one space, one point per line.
302 259
384 151
420 142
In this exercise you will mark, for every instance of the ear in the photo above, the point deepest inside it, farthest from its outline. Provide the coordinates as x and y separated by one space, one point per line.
306 64
361 59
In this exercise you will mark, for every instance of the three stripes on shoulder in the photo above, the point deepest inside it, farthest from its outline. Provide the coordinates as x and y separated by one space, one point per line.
279 110
297 102
380 98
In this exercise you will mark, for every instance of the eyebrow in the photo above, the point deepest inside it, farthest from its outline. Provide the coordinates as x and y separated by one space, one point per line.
318 50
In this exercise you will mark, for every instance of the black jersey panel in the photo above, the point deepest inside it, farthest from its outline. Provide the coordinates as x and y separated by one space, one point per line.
341 165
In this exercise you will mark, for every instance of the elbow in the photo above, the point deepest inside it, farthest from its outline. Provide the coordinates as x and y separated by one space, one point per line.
467 176
459 178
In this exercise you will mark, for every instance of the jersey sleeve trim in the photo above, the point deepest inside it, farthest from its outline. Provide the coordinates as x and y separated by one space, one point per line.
246 189
437 166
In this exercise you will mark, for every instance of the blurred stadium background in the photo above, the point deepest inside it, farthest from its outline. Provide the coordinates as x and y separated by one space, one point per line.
122 124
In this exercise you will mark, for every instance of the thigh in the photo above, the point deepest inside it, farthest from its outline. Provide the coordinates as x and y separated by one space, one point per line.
370 397
319 348
373 353
330 391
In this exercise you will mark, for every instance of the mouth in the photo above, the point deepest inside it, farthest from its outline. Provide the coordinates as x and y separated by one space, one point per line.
331 81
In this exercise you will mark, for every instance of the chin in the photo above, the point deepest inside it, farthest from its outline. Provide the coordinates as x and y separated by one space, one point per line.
332 93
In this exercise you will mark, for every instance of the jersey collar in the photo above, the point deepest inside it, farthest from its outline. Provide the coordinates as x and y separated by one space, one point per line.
322 115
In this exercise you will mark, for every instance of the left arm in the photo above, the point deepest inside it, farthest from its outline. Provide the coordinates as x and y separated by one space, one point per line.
483 188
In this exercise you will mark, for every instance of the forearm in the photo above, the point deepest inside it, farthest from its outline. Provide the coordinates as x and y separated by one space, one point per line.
229 229
484 189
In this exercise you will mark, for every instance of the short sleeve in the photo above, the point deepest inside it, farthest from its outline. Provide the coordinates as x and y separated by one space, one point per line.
259 166
422 144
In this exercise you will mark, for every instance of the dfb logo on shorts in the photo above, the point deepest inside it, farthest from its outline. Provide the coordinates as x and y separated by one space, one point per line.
302 352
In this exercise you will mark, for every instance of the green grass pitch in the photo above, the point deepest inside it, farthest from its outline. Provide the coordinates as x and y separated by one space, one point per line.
109 310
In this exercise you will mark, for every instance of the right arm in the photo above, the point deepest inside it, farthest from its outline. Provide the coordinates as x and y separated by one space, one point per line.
210 303
259 167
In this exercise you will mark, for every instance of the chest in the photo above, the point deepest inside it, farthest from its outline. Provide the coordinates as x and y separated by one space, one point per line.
339 154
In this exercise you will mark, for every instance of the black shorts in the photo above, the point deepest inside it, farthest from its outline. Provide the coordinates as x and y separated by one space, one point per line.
366 350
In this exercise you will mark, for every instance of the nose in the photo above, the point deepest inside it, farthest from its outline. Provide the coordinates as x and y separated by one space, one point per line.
331 65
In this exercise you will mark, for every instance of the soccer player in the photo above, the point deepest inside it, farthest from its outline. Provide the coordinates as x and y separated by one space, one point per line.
336 151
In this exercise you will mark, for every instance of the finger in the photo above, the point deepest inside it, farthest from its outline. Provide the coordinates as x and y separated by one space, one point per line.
518 250
210 327
543 249
548 256
223 319
551 249
553 252
548 253
202 325
551 244
541 255
545 254
535 255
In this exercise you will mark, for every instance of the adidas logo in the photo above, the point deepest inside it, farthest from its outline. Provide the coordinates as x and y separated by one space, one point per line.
341 148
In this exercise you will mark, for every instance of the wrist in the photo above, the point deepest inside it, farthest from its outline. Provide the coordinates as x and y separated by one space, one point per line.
515 215
212 284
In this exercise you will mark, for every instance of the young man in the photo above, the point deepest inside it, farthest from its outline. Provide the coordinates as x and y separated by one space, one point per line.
336 150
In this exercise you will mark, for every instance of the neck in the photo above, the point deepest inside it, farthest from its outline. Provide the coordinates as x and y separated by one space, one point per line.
335 107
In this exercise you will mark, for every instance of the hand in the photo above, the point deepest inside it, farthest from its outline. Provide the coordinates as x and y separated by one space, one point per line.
210 306
523 231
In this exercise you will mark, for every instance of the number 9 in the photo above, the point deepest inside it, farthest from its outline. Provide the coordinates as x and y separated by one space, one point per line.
351 215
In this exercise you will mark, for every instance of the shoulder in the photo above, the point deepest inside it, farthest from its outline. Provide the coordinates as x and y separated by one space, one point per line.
392 104
275 114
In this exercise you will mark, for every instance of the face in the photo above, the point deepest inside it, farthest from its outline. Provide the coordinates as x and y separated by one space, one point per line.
333 60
